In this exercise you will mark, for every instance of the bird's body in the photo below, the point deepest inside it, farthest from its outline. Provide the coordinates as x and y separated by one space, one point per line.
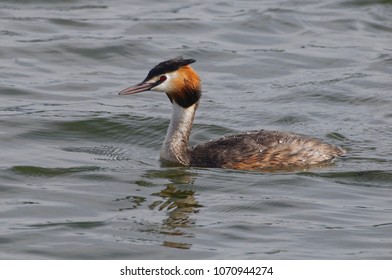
253 150
263 150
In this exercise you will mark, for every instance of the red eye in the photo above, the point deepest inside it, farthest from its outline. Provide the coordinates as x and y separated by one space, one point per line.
162 78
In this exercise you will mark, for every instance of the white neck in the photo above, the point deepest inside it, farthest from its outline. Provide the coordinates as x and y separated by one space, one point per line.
175 147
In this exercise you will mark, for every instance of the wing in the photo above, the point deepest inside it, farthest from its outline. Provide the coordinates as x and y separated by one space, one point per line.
263 150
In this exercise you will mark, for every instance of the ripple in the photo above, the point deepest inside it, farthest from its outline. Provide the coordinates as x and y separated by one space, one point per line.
37 171
70 224
106 152
368 178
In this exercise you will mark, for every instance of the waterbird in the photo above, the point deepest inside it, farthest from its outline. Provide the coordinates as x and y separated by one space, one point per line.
253 150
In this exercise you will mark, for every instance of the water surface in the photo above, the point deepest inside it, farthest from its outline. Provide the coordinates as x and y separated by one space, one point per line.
79 171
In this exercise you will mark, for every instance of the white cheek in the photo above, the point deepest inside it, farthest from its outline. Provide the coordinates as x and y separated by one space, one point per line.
161 87
166 85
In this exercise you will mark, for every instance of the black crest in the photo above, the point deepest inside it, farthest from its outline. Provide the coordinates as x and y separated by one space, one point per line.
168 66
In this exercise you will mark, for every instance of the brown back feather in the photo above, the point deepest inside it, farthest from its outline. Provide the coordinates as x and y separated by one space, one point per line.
263 150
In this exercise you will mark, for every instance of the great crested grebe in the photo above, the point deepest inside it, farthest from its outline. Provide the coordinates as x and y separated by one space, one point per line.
253 150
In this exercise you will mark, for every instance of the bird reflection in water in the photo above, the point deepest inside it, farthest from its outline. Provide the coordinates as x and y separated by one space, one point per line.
180 204
176 200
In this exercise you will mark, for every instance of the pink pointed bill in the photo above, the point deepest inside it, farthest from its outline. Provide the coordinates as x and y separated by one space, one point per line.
137 88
